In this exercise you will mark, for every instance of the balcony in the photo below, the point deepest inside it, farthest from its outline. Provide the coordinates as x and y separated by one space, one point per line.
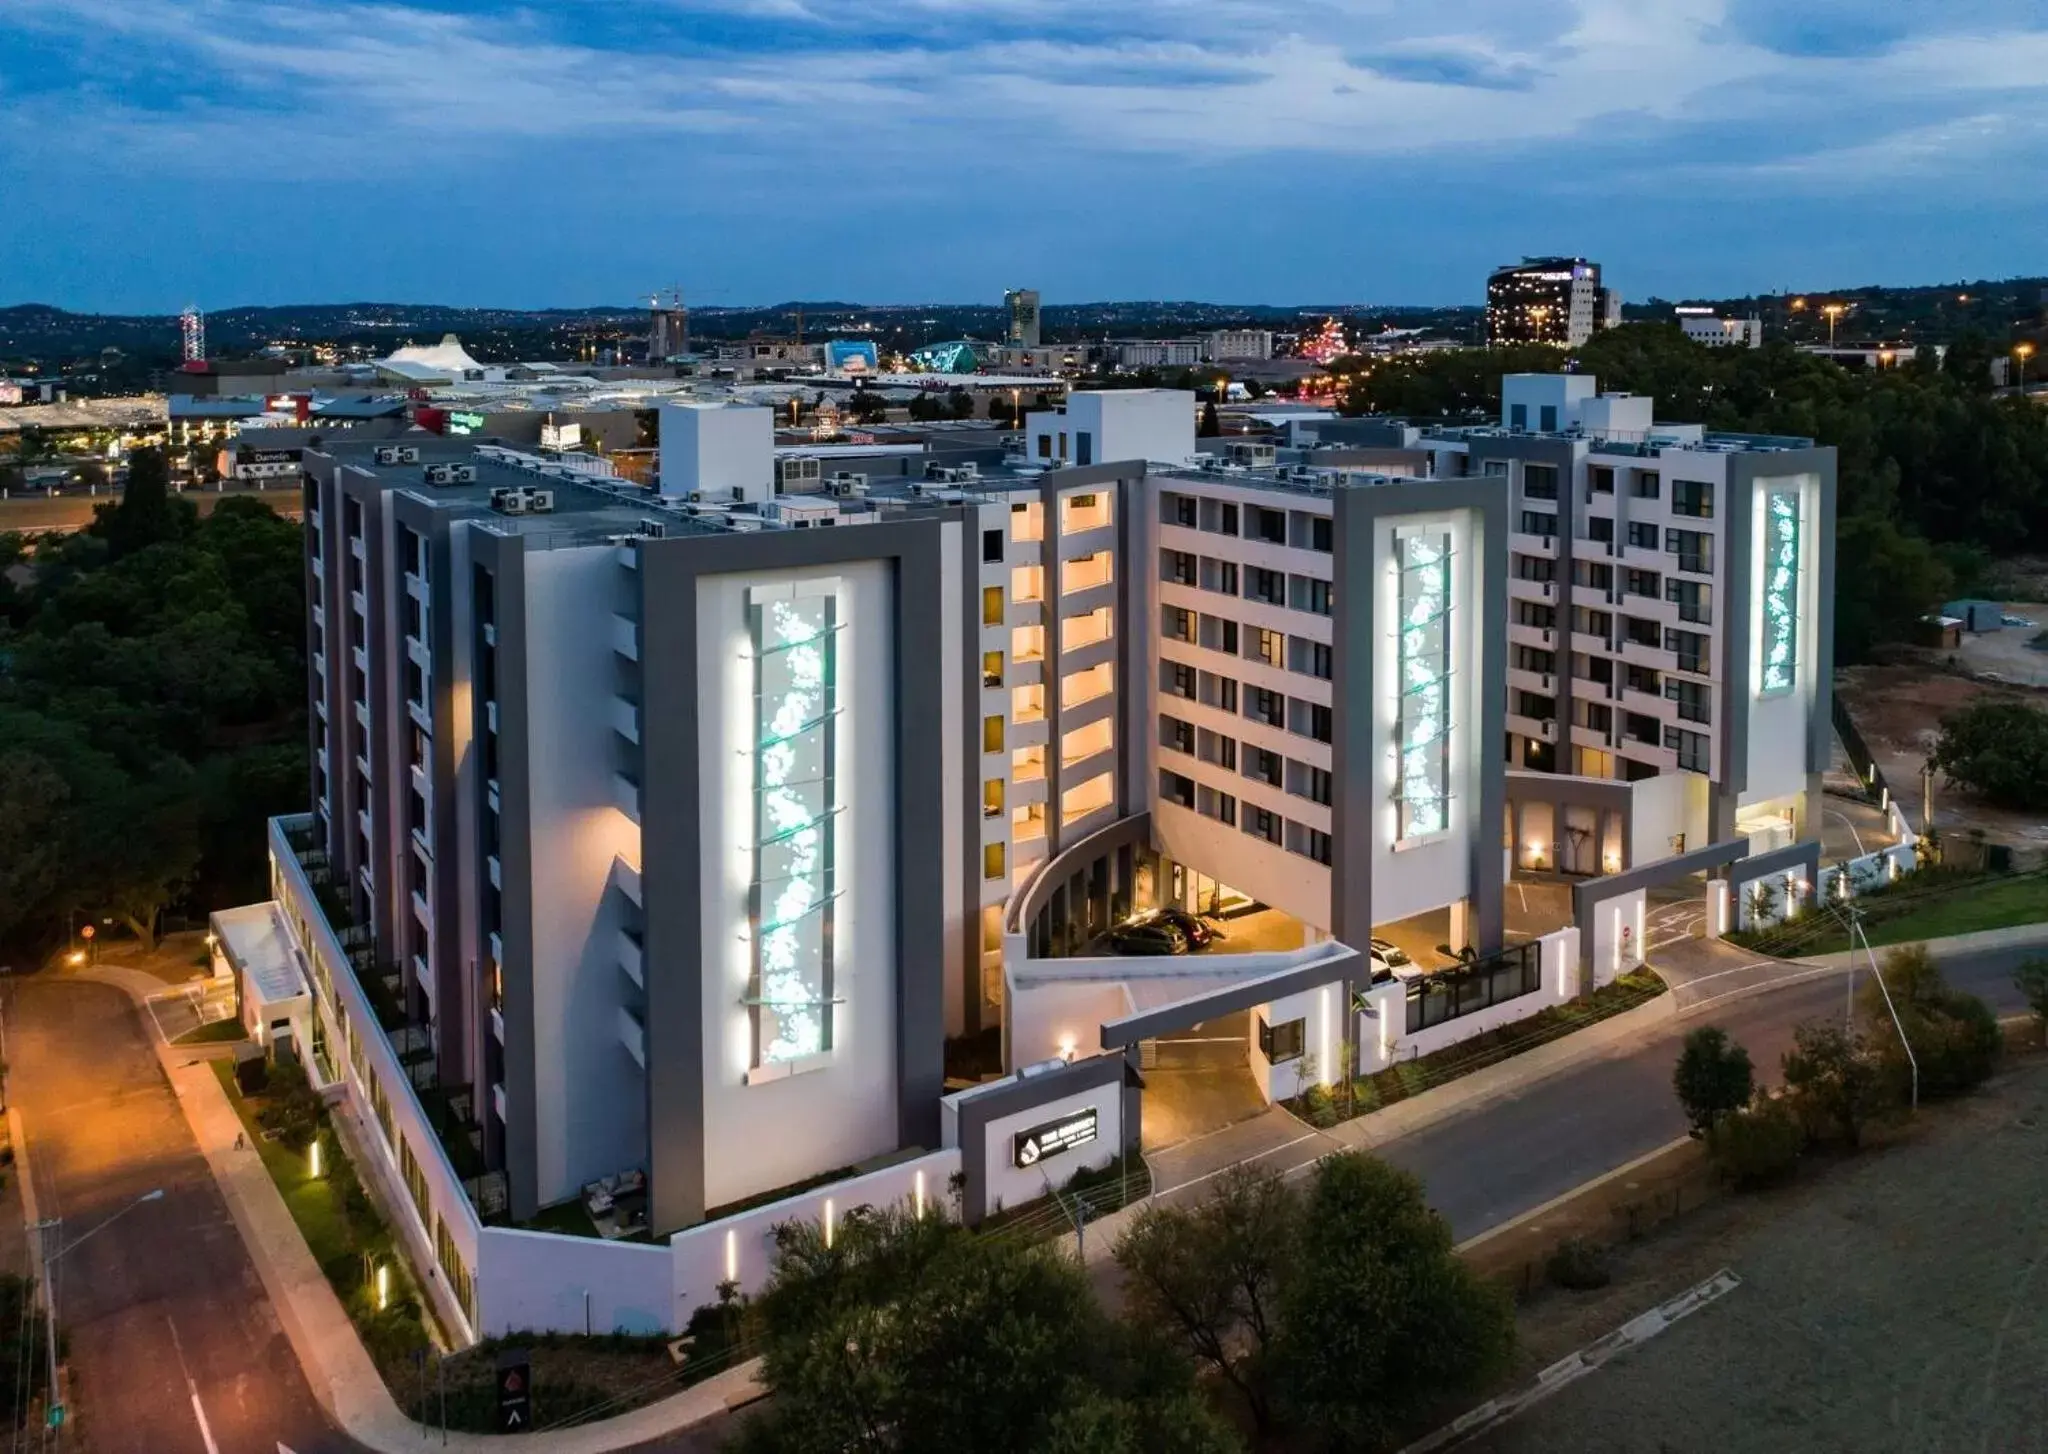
1095 795
626 637
626 795
1076 517
1086 686
1027 705
633 1035
632 957
1085 573
1086 742
1027 824
491 867
1028 766
1077 632
1027 644
626 719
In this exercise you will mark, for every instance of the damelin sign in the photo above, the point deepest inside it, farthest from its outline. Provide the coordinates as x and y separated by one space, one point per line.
1033 1146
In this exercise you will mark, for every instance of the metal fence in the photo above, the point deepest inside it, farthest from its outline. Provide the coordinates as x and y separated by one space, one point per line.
1455 993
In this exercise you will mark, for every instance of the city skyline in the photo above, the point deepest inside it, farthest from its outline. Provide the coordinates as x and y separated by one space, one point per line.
480 153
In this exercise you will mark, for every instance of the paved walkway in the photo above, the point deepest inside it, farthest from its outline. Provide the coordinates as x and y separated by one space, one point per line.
344 1380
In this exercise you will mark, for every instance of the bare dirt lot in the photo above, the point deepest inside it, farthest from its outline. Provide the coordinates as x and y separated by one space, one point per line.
1896 1302
1898 707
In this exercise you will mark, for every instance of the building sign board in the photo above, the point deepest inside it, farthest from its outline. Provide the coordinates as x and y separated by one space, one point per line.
1032 1146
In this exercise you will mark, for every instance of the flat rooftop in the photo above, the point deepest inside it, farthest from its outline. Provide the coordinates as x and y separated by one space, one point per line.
257 943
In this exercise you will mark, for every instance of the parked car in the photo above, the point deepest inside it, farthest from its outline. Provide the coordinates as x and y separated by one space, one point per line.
1390 960
1201 933
1150 935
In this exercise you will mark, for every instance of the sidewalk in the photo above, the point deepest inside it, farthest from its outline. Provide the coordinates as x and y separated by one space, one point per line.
343 1379
2018 936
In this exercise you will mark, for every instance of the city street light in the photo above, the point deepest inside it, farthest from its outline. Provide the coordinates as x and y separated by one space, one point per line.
2023 352
1833 312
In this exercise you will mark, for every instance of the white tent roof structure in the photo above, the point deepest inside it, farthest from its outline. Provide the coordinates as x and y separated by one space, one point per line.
446 357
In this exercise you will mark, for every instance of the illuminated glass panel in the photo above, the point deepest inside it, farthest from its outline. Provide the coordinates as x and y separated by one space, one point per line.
795 703
1781 591
1423 653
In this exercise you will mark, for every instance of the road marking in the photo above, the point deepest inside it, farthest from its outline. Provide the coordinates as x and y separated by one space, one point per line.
198 1409
1570 1369
1212 1175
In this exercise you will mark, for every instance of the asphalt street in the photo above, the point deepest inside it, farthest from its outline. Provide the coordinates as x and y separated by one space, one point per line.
173 1344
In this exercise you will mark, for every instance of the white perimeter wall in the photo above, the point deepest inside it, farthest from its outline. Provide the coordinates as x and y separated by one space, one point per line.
1779 725
742 1248
541 1280
1383 1036
590 1096
1320 1012
759 1137
1429 873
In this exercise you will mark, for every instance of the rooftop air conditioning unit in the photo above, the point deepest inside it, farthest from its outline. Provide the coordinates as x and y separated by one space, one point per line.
509 502
385 454
540 502
462 474
654 529
440 474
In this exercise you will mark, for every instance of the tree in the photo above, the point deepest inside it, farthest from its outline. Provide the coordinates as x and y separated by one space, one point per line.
1381 1321
912 1334
959 404
1713 1078
1209 1275
1998 749
1210 426
147 513
927 406
2031 980
1954 1036
1834 1081
866 407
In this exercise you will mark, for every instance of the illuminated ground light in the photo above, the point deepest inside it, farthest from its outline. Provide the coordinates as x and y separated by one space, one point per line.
795 702
1424 665
1781 590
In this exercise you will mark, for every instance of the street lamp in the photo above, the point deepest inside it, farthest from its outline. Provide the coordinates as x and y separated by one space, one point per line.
43 1229
1833 312
2023 352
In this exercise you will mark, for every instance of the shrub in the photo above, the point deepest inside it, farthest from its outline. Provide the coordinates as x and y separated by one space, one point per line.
1835 1084
1954 1035
2031 980
2000 749
1757 1145
1578 1264
1713 1078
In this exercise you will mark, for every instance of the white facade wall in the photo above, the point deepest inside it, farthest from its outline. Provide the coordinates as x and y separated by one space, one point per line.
758 1137
542 1280
1119 424
590 1096
1563 394
1321 1012
1663 808
1383 1037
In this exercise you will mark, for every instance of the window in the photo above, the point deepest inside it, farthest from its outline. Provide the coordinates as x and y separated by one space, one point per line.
1539 482
992 734
1592 623
1691 747
1547 418
1531 658
1694 549
992 860
1219 575
1261 823
1693 497
1594 574
1177 734
991 546
1267 525
1175 789
1531 704
1600 528
1280 1043
1045 446
1321 533
415 684
1219 517
1310 719
1695 601
1311 594
992 798
1263 766
1494 469
1214 747
1266 706
1641 630
1599 480
1694 700
1642 536
415 619
1594 669
1269 586
991 605
1534 567
1179 680
1212 804
1535 613
1308 782
1267 646
1518 416
1596 715
1310 658
1219 692
1643 679
1691 648
1180 510
1219 634
1645 485
1177 566
1640 728
1176 623
1538 524
1643 583
991 668
1317 845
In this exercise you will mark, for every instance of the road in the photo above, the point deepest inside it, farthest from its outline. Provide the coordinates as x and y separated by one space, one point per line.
1503 1159
173 1344
35 514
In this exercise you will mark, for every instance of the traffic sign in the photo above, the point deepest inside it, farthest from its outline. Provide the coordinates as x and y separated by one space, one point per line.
87 932
55 1417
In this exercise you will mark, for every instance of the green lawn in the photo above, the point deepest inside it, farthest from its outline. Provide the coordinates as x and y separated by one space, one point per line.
313 1203
220 1032
1998 905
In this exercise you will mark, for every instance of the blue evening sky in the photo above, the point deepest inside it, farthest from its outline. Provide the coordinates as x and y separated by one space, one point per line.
159 152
